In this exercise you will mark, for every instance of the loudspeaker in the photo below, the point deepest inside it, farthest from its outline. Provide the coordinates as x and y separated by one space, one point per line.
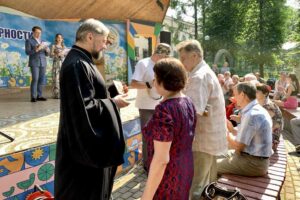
165 37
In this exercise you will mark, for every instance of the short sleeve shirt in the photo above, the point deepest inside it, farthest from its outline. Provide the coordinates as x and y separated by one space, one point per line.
206 93
255 130
144 73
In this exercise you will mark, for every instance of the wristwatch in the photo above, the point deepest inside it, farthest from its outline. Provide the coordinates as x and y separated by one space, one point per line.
148 85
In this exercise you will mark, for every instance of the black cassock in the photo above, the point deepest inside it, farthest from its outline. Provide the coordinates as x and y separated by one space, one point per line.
90 142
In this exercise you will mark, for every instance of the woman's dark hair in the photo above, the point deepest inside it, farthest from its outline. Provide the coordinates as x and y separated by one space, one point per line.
171 74
56 36
294 79
265 89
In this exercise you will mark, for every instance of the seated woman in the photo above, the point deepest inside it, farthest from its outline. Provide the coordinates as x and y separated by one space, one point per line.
290 100
169 135
280 86
262 96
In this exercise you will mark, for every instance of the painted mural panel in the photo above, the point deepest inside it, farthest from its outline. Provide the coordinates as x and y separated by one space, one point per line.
14 30
116 56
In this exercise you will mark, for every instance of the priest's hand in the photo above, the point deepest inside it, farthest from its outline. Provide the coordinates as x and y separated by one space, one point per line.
120 100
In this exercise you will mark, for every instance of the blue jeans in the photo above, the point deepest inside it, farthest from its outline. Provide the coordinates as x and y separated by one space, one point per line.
38 75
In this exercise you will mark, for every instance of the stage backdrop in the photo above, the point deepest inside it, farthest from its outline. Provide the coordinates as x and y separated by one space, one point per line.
14 30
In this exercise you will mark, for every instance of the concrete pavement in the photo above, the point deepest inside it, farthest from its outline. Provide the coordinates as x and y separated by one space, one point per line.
130 186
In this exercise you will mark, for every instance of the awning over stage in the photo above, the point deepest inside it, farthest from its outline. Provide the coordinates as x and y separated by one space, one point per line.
146 10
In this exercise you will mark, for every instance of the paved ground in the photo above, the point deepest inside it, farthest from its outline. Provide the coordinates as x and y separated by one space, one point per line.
291 187
15 106
131 185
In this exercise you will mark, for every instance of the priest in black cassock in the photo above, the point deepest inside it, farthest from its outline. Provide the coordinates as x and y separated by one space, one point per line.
90 143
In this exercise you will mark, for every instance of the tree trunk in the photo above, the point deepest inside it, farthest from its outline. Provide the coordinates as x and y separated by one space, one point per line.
261 65
196 19
203 21
261 69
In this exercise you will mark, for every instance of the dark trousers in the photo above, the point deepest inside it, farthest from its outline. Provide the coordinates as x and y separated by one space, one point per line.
145 116
108 182
85 186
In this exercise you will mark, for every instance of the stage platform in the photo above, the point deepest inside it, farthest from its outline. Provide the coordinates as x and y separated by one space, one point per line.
29 159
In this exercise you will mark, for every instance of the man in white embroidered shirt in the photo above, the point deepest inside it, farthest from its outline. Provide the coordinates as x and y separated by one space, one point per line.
210 136
142 79
252 141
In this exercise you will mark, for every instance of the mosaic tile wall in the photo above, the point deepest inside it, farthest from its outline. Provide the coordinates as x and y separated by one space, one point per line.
20 171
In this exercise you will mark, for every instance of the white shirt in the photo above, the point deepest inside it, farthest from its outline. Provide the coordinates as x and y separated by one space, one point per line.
204 89
38 40
144 73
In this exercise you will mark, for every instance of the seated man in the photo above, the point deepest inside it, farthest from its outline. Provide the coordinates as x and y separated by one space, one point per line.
252 140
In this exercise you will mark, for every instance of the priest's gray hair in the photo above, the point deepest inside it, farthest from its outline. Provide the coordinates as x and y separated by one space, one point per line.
190 46
91 26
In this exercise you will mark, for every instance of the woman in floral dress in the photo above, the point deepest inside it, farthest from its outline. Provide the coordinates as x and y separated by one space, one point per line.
58 55
262 96
169 135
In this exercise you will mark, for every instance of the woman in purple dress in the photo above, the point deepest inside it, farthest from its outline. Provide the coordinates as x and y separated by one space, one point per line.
169 135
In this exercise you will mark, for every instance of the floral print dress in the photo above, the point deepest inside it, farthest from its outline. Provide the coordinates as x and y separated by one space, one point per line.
174 121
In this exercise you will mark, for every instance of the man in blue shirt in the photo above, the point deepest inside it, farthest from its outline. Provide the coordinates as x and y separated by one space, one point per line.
252 140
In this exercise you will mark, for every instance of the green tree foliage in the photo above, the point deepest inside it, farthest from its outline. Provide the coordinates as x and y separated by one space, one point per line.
292 26
264 30
225 22
253 31
197 9
182 9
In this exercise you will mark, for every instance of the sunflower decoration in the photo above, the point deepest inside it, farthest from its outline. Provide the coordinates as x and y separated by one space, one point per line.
21 81
36 156
37 153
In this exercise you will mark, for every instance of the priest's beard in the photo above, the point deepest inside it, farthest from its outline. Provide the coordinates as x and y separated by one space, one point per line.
96 54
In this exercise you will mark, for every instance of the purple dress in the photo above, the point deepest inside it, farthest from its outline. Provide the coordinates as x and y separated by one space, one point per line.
174 120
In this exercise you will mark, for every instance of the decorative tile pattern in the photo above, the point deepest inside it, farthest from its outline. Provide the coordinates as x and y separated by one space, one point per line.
29 160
